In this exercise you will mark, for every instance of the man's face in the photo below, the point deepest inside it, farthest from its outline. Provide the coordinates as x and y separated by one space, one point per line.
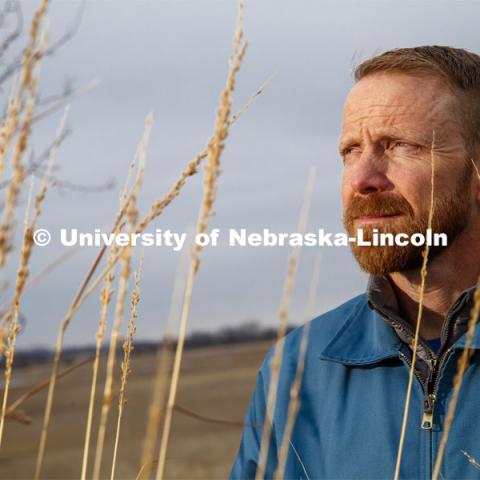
390 122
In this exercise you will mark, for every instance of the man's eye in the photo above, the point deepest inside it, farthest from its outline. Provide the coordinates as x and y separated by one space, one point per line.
349 150
347 154
405 146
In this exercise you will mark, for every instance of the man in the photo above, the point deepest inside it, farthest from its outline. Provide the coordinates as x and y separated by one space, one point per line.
409 108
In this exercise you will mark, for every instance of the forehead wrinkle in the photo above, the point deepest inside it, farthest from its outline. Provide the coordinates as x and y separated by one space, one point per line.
380 110
395 123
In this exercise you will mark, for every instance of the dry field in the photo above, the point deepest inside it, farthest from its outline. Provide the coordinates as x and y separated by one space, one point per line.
215 382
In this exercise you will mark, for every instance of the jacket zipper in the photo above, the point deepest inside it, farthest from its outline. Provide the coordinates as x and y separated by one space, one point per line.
430 384
430 396
436 368
427 419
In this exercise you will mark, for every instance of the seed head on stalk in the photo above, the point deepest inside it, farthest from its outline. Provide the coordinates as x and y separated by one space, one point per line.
212 171
22 272
132 215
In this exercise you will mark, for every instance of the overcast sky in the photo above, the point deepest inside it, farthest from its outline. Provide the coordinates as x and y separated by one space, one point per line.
171 58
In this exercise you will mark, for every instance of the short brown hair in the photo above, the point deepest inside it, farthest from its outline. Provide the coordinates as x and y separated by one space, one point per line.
458 68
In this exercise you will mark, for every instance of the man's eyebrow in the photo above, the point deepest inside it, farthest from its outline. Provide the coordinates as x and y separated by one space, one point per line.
391 134
416 136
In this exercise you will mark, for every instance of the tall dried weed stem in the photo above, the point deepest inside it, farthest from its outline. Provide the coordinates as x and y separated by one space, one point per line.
164 362
14 328
294 403
9 125
22 272
157 208
18 172
276 360
127 351
132 216
16 99
212 170
16 414
105 298
28 83
423 276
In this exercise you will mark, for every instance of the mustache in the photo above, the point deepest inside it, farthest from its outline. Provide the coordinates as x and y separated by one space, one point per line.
377 204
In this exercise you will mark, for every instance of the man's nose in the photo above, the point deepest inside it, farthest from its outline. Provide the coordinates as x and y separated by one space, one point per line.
369 175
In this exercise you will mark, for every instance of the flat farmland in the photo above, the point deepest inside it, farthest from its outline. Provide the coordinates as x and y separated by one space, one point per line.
216 382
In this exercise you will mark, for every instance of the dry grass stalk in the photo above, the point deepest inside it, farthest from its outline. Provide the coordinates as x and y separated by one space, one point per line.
471 460
10 124
105 297
78 300
165 356
132 216
218 421
12 410
294 404
212 170
276 360
108 387
22 272
37 278
250 101
423 276
19 416
127 350
157 208
140 473
29 82
29 52
476 168
66 100
31 282
14 328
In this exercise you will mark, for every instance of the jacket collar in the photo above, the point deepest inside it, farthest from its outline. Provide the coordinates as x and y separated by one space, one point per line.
381 297
367 337
363 339
475 340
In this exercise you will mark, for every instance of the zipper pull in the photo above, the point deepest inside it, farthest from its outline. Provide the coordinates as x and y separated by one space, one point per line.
427 420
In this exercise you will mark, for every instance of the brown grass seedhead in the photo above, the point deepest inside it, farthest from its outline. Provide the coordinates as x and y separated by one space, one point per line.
212 170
